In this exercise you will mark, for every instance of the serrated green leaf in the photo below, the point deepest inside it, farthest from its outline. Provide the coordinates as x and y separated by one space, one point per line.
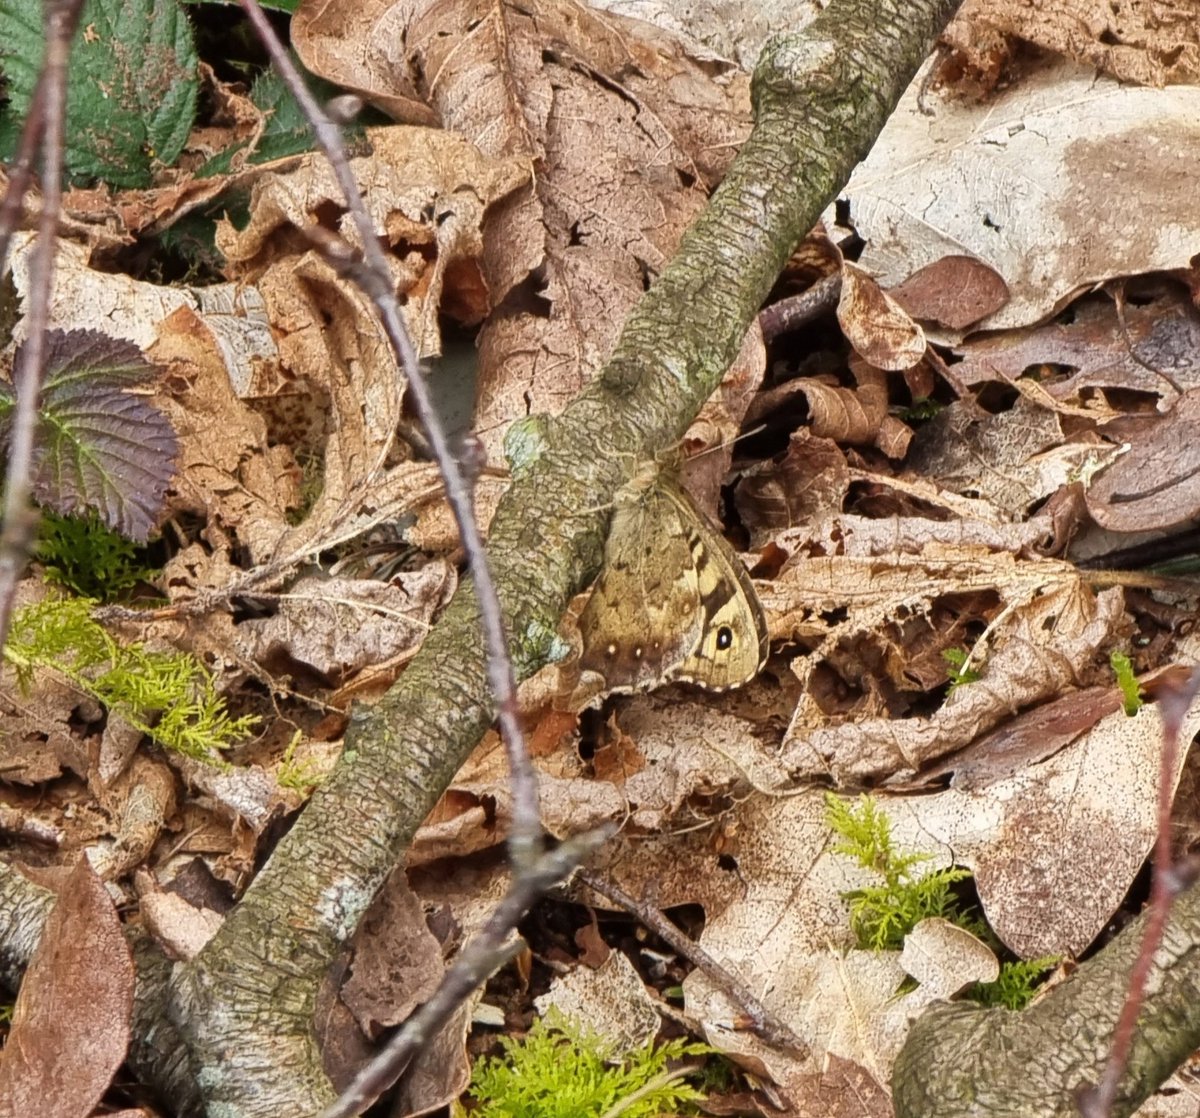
286 131
132 85
98 446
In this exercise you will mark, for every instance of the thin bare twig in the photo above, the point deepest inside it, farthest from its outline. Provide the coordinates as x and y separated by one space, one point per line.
1097 1101
525 836
762 1021
20 518
490 949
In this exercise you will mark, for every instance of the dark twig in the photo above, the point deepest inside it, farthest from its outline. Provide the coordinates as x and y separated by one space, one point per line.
20 518
762 1021
20 170
526 832
798 310
1097 1101
490 949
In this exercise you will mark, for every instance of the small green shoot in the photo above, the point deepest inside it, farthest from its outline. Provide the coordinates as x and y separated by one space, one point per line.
960 675
87 557
559 1071
300 776
1017 984
882 915
170 696
1127 682
922 408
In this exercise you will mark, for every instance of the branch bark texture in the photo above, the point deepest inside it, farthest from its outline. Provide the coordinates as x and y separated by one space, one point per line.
960 1060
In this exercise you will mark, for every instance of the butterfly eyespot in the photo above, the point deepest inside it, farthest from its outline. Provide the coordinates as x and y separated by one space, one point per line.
724 638
637 652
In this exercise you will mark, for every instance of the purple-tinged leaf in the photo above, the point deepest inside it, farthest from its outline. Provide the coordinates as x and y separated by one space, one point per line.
99 444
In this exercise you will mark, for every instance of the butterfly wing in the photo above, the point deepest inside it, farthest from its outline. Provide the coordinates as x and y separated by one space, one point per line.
733 642
673 601
644 615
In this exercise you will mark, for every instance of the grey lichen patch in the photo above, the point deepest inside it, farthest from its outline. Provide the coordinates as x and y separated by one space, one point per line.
339 909
525 443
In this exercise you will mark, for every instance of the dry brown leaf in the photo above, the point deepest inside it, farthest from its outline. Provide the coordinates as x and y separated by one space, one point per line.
1049 637
954 291
440 1072
71 1023
843 1089
875 324
228 472
1013 460
1056 846
612 999
1027 739
1045 183
1152 348
397 962
1154 485
806 487
335 627
178 927
945 958
116 305
426 191
709 441
627 132
38 741
1156 44
140 801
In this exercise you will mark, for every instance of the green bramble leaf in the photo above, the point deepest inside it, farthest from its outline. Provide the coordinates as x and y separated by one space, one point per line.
132 85
98 446
286 131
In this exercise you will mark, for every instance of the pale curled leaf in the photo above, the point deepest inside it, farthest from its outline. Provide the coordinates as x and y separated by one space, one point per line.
945 958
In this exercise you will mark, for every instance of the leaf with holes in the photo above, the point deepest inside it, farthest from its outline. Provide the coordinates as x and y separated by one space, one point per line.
98 445
132 85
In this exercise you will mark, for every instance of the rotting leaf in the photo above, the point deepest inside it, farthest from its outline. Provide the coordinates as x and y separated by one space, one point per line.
98 445
949 175
954 291
875 324
1147 44
71 1024
1157 483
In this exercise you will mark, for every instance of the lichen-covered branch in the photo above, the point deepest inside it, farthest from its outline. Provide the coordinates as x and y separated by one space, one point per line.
960 1060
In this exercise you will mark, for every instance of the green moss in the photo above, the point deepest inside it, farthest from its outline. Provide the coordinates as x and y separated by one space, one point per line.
559 1071
882 915
87 557
170 696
